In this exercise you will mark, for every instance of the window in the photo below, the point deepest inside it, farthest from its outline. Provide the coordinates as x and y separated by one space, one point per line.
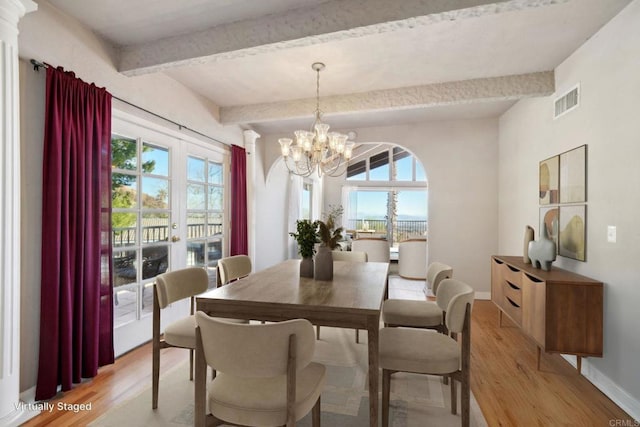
376 167
307 197
387 196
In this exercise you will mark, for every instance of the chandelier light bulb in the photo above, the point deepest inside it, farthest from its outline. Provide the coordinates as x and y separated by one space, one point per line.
296 153
285 144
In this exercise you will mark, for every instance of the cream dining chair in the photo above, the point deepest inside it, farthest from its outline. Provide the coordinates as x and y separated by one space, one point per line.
171 287
349 256
421 314
412 258
377 249
168 288
264 375
233 267
422 351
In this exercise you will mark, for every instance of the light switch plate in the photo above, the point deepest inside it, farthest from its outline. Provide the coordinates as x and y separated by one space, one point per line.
611 233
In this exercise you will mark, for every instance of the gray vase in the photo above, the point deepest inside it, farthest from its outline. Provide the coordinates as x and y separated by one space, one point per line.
324 264
306 267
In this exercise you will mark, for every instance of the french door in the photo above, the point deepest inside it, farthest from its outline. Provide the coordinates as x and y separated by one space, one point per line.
156 226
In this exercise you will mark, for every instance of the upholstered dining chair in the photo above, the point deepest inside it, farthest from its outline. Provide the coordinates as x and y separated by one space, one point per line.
171 287
349 256
233 267
421 314
428 352
168 288
377 249
412 258
264 373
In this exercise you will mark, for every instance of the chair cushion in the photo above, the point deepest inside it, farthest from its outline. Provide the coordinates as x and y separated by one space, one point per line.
182 333
423 314
263 401
418 350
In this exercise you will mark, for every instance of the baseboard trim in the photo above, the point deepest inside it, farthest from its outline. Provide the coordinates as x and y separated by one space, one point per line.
483 295
29 395
23 411
619 396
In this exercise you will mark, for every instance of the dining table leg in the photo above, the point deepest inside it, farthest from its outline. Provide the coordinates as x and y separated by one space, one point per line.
373 328
200 386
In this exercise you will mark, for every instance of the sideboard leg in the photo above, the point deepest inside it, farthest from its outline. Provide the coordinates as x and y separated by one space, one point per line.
579 364
499 318
538 358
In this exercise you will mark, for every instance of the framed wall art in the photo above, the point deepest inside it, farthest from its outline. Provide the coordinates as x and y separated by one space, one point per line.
573 227
548 181
549 220
573 175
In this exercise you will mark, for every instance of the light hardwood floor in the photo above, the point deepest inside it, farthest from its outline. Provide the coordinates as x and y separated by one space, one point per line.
504 379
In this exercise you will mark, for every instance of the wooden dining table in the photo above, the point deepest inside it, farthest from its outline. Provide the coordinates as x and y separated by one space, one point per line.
353 299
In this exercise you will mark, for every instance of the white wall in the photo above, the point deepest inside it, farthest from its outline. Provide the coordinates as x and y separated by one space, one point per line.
271 189
50 36
461 162
608 69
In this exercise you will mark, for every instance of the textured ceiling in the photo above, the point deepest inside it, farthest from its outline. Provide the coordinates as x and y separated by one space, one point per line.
387 62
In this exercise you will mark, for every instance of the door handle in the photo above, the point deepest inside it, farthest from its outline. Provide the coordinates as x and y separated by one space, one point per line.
175 239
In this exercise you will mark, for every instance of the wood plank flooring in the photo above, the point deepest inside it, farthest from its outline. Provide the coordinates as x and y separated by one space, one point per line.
504 379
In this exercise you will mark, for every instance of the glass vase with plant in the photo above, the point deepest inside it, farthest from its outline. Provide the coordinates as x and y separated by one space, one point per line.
306 236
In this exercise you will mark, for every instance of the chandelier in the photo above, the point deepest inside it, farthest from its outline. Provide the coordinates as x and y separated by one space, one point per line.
317 149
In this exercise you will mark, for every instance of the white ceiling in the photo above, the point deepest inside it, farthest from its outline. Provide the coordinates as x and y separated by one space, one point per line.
388 62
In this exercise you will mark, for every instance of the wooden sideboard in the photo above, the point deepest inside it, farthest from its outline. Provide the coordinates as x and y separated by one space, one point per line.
560 310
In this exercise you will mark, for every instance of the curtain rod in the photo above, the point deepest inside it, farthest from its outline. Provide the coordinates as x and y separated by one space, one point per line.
37 65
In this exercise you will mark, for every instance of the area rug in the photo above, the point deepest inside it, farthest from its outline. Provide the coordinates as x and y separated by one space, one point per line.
416 400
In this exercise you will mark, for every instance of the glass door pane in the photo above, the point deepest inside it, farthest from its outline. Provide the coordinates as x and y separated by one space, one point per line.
205 209
140 222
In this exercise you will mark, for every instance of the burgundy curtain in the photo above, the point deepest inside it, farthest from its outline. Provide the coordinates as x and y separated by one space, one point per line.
76 309
239 241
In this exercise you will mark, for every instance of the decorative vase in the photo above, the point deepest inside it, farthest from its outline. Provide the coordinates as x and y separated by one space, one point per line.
306 267
528 237
324 264
543 251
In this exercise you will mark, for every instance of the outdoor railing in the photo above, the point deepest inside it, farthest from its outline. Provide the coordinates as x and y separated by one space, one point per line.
404 228
123 236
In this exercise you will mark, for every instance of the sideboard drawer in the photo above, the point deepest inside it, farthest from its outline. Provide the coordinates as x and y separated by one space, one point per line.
512 291
511 274
513 310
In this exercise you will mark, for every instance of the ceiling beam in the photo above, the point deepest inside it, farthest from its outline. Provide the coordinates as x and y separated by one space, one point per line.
502 88
329 21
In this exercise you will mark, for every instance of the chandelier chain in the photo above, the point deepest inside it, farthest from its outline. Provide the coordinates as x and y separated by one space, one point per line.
318 92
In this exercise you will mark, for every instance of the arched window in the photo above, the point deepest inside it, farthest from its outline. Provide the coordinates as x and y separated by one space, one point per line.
385 195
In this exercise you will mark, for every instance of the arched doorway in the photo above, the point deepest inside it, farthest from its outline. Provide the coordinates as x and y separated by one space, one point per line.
384 194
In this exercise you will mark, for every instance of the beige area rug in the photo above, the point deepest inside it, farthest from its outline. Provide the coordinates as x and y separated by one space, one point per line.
416 400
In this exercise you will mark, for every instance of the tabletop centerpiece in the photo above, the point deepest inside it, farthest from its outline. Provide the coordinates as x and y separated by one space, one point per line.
306 236
329 236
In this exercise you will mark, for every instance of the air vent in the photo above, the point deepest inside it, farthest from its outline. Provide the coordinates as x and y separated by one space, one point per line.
567 102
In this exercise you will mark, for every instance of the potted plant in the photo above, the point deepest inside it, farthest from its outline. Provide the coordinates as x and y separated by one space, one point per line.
329 237
306 237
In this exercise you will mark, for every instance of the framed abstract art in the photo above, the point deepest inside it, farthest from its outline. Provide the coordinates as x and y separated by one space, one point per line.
549 181
573 175
572 240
